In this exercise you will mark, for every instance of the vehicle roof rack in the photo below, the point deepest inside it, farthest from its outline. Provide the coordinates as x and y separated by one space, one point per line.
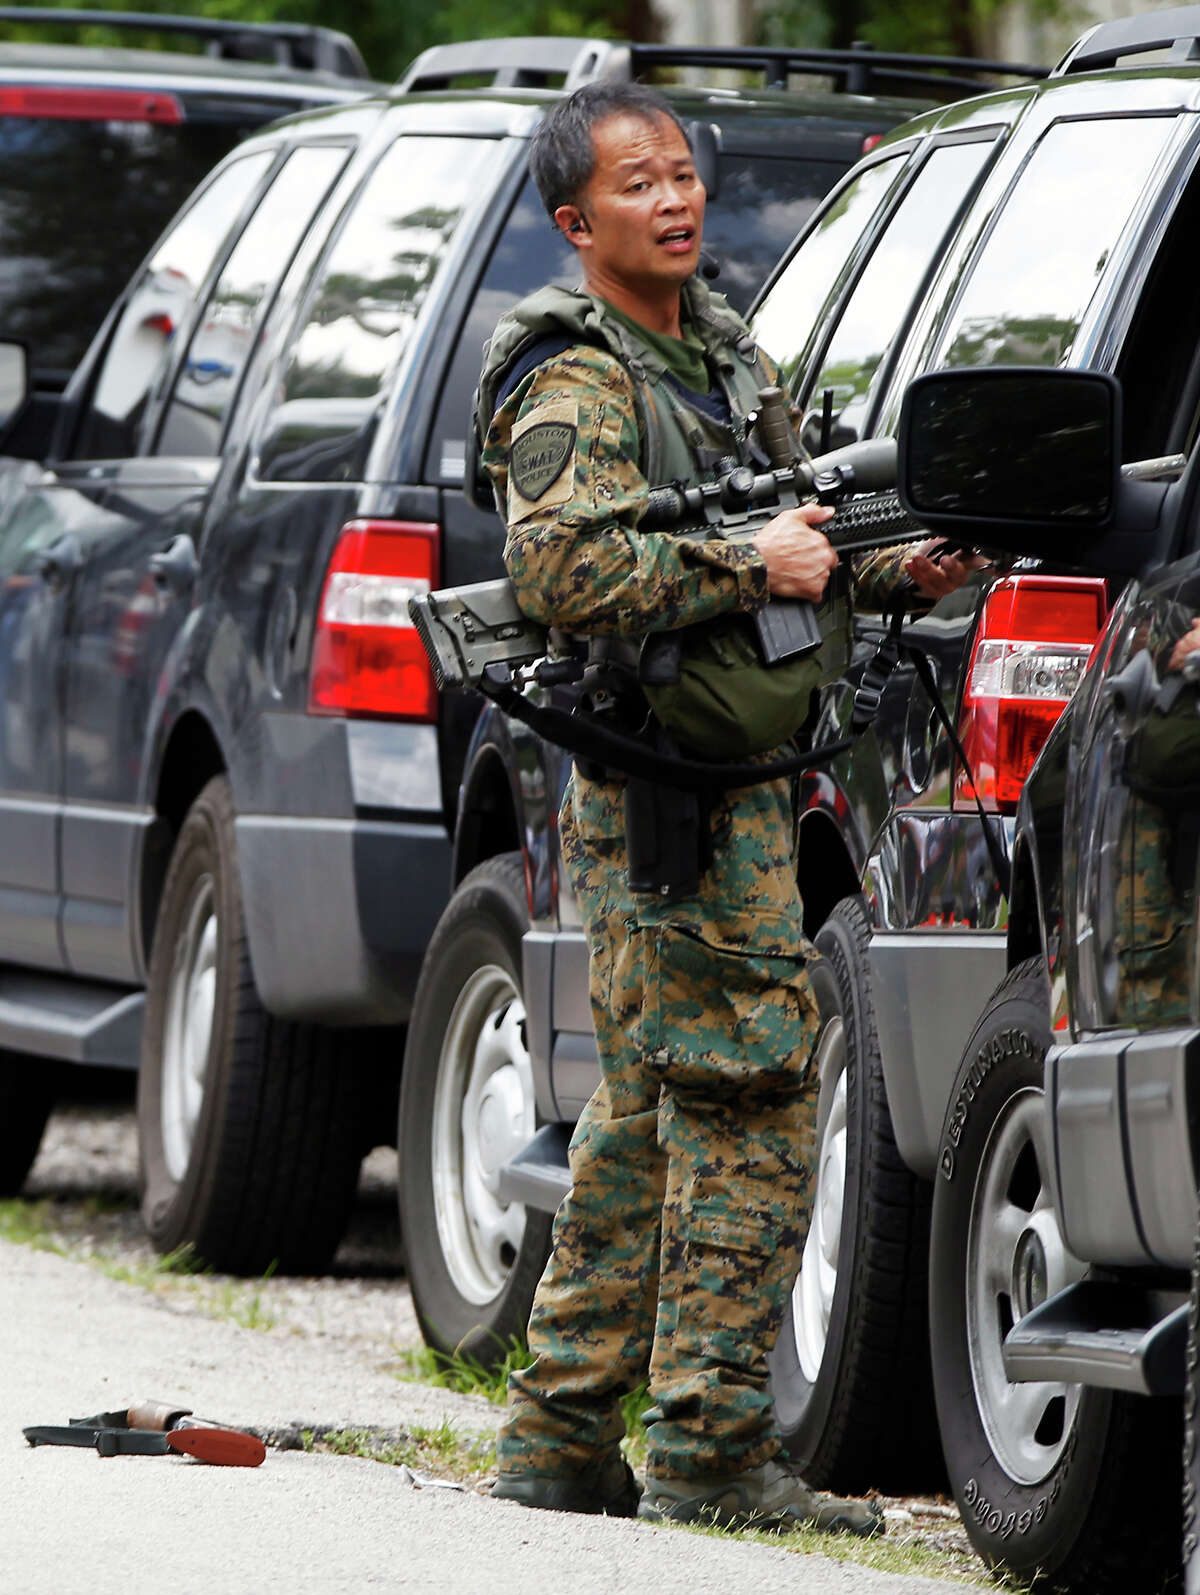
289 44
548 62
1177 30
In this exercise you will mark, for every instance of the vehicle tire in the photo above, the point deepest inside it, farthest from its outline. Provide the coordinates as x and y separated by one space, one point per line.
28 1089
1191 1437
850 1371
1075 1486
249 1127
466 1106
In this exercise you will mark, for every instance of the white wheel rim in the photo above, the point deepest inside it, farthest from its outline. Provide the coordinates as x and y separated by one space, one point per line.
1016 1258
816 1283
483 1114
188 1028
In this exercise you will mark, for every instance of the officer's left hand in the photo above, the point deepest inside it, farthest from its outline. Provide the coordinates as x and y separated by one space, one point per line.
943 573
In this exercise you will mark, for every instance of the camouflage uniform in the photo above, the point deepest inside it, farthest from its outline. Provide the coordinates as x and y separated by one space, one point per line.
675 1251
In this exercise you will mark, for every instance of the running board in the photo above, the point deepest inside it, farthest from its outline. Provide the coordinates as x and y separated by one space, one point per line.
538 1176
75 1021
1117 1336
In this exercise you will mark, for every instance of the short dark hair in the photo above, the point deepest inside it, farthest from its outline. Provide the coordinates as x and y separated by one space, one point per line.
561 154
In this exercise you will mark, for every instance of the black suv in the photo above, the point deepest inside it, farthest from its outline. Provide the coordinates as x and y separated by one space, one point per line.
1046 226
227 784
99 147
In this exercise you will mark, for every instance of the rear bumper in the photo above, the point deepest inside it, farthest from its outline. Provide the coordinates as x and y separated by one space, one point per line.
339 912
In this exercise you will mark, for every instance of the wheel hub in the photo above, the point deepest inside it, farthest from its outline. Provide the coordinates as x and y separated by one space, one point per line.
1029 1273
191 1005
816 1283
1016 1259
483 1114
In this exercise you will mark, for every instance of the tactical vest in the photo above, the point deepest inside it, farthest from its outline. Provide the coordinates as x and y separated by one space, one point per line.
681 443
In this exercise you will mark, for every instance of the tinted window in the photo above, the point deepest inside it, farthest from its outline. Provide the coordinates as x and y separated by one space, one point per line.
221 344
80 205
760 206
1047 252
1159 366
364 306
529 253
140 348
787 319
875 312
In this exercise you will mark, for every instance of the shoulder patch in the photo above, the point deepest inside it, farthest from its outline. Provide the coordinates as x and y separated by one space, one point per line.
541 457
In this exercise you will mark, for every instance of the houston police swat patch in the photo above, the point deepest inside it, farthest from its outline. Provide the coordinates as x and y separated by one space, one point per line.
539 457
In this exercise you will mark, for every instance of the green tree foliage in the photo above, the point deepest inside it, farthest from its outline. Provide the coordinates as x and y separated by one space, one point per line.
936 27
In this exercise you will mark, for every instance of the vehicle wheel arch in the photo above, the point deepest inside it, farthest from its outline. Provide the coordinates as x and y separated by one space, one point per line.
1024 912
191 755
489 814
826 872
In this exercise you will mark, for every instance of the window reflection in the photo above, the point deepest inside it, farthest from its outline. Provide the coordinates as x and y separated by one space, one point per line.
876 310
787 317
221 345
370 292
141 344
59 273
1035 278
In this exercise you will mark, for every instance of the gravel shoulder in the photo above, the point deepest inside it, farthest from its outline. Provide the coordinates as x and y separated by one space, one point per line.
286 1356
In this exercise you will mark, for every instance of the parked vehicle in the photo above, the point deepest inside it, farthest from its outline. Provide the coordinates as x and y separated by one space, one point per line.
227 785
1045 225
99 147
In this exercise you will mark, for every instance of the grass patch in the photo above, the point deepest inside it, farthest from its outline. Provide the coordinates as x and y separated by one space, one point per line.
75 1231
465 1374
27 1224
441 1450
898 1551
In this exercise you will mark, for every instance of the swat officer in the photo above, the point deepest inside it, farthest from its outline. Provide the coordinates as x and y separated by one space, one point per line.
692 1164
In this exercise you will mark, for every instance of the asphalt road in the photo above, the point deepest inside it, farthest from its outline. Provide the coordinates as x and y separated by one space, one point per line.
73 1340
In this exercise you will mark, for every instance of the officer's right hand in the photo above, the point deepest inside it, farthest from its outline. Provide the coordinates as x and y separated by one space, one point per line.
799 558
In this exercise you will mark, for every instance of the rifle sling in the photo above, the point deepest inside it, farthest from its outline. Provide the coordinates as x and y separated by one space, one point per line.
583 736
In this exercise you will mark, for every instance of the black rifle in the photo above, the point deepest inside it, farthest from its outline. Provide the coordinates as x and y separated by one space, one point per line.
468 630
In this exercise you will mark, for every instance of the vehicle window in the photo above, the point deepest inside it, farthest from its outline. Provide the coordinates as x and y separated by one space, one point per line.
529 253
876 312
761 204
1159 367
81 203
788 316
224 337
1033 282
364 305
140 347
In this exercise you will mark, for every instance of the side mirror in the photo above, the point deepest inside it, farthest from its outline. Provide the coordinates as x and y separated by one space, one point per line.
14 381
1021 459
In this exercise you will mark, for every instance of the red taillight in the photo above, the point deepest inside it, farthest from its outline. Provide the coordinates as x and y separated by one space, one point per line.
88 105
869 143
366 657
1032 646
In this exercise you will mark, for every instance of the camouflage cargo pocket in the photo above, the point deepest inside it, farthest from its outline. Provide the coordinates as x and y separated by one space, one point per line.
722 1022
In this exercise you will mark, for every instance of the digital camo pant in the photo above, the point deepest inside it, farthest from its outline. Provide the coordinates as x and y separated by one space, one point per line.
692 1164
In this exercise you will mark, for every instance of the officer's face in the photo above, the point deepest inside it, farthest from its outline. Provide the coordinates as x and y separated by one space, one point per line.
642 213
